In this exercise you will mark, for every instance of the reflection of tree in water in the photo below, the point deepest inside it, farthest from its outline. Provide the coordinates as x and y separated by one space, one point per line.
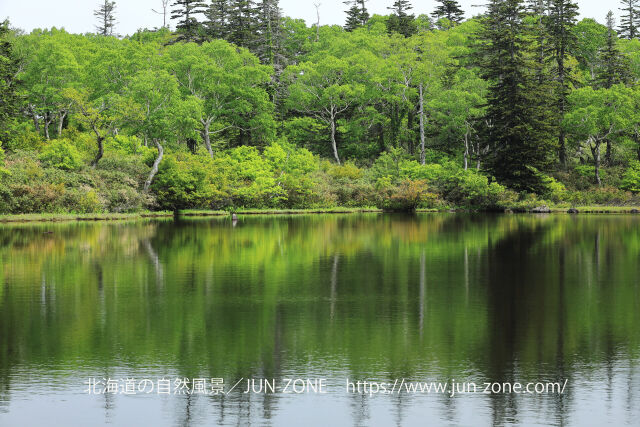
370 296
514 292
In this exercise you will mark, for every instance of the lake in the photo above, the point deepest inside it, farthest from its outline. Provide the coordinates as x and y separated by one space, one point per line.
155 322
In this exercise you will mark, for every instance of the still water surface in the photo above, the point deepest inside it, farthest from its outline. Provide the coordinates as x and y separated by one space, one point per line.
470 298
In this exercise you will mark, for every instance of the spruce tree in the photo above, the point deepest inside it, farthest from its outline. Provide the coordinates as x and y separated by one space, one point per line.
537 7
188 27
539 10
614 67
268 38
561 20
357 15
243 20
106 18
9 68
630 19
353 16
400 21
217 20
518 123
268 46
449 9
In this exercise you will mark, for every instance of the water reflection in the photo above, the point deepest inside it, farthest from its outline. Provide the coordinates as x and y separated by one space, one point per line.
426 298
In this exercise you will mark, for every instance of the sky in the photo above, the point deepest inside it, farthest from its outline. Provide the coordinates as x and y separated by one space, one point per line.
76 16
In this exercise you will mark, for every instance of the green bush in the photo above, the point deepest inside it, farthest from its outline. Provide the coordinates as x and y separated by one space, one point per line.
631 178
553 189
344 185
470 188
62 154
293 169
188 184
22 137
125 144
599 196
404 197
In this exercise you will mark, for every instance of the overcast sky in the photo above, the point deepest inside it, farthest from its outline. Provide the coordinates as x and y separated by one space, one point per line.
76 16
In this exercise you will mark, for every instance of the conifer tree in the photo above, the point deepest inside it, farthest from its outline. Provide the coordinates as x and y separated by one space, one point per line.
357 15
9 68
268 46
449 9
518 126
268 43
400 20
560 22
539 9
106 18
243 20
188 27
614 67
630 19
217 20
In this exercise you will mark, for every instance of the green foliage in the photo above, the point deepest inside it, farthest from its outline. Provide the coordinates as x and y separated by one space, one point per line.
631 178
472 189
518 113
9 84
181 185
554 190
22 137
251 124
33 186
400 20
601 196
404 197
62 154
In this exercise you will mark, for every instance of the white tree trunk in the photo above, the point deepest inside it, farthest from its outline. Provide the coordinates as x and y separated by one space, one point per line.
333 138
422 139
48 119
61 117
206 124
466 149
595 150
156 164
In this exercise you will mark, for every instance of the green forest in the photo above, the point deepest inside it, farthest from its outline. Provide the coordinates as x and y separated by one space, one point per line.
520 106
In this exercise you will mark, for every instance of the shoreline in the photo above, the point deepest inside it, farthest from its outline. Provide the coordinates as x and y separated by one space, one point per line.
70 217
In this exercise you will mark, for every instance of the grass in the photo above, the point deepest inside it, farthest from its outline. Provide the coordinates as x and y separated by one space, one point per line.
202 212
304 211
47 217
598 209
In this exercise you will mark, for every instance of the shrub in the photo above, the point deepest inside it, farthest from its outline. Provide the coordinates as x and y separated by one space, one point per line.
553 189
470 188
126 145
292 170
631 178
183 184
389 165
61 154
345 172
405 197
599 196
22 137
85 202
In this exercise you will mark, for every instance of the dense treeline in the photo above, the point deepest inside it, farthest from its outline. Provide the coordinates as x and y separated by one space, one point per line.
241 106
